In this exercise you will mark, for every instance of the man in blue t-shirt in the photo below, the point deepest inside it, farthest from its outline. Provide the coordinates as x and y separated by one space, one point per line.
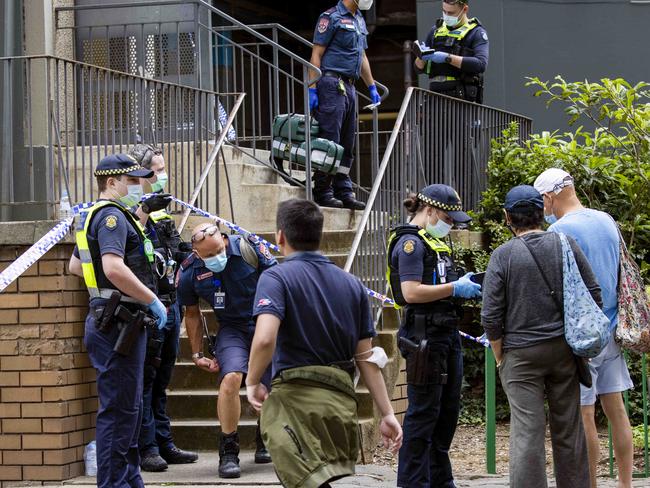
598 237
314 324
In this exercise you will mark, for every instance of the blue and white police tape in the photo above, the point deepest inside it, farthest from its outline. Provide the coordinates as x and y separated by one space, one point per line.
223 120
38 250
240 230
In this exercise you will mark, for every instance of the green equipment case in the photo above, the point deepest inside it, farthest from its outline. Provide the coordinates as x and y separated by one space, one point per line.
325 155
292 127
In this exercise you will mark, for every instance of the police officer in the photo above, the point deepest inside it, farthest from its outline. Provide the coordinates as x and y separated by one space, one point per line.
461 53
156 445
423 278
114 254
223 271
339 51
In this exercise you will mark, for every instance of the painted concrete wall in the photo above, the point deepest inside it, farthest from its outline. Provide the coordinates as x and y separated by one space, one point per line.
579 39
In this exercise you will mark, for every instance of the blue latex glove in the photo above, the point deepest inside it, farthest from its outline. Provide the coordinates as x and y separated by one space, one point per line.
466 288
374 94
160 312
313 98
437 57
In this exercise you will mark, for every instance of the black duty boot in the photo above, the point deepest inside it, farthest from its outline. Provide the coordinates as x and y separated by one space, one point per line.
353 204
174 455
329 202
152 462
229 456
262 455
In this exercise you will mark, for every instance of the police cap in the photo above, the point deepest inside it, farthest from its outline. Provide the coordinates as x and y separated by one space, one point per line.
445 198
121 164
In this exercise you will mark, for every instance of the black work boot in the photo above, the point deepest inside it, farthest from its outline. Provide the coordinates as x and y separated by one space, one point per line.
353 204
262 455
329 202
174 455
152 462
229 455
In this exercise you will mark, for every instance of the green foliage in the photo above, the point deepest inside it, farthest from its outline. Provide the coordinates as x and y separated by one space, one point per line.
610 163
638 436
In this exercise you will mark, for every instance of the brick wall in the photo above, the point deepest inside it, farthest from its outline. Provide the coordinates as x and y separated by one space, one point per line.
400 401
47 385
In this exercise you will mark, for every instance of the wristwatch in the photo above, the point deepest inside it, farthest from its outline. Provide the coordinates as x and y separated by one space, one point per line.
197 355
448 59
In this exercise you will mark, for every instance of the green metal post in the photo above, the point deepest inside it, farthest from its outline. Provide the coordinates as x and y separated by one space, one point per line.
490 412
644 379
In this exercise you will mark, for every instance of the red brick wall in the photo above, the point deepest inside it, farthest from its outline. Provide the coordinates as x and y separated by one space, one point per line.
47 385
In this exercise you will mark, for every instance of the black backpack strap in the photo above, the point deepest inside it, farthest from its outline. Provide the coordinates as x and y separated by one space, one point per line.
556 298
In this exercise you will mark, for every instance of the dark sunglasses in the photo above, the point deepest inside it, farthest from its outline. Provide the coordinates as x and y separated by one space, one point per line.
208 231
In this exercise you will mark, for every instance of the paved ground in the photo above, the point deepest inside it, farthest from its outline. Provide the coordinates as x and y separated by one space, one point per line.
204 474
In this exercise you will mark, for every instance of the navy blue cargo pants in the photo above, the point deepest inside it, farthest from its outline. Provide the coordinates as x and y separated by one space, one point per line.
430 421
337 117
119 388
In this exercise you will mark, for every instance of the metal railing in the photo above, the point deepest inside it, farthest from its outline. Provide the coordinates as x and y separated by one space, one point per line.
436 139
62 117
268 62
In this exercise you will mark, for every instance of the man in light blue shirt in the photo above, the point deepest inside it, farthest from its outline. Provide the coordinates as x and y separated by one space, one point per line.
598 237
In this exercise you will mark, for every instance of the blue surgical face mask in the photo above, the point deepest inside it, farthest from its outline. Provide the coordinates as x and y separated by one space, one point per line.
216 263
440 230
133 195
161 183
550 219
450 20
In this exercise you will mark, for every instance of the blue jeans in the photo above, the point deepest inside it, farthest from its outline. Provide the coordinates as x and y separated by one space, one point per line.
119 388
336 115
155 433
430 421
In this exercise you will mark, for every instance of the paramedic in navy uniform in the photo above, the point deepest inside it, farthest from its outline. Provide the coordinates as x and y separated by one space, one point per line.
339 51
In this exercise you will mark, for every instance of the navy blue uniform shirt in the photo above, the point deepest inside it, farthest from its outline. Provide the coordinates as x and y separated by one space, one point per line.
113 232
477 41
238 281
344 36
409 258
324 311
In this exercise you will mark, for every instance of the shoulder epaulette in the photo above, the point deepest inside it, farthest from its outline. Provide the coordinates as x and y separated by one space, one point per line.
187 262
329 11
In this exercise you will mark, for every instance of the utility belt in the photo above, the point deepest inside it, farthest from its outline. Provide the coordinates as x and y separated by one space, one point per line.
129 318
348 79
466 87
426 361
168 299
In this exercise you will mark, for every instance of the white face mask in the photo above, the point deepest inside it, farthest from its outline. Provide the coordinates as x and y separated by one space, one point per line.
378 356
364 4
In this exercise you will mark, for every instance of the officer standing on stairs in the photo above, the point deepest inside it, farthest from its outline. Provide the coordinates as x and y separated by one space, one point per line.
461 54
114 257
423 277
223 271
339 51
156 445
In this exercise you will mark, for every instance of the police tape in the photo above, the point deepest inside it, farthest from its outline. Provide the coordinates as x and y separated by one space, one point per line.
240 230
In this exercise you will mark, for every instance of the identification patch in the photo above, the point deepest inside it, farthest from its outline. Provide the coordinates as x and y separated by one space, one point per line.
203 276
323 24
409 246
484 35
219 300
264 302
265 252
111 222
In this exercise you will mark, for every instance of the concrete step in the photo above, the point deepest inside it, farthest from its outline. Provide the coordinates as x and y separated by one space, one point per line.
202 403
334 241
202 434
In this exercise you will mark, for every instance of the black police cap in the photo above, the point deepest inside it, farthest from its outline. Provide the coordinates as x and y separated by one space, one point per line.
121 164
445 198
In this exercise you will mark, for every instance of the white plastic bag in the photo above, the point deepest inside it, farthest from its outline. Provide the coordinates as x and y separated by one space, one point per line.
90 459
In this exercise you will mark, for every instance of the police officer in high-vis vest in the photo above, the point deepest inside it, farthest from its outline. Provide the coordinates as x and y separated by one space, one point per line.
157 448
460 59
424 279
115 258
340 52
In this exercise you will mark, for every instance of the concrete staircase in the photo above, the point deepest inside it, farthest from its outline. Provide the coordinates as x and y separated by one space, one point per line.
192 396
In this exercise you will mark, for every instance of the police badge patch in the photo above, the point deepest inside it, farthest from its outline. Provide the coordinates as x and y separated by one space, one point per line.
484 35
409 246
323 24
265 251
111 222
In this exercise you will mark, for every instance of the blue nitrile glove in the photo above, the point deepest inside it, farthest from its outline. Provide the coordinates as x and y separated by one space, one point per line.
313 98
466 288
374 94
437 57
158 309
